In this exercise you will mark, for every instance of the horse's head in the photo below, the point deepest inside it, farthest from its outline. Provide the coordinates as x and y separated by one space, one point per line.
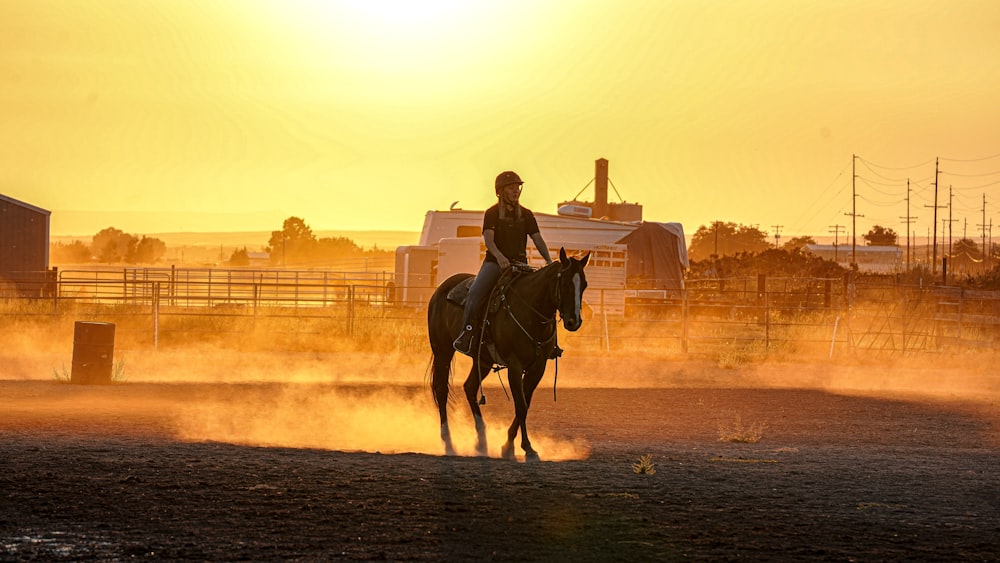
569 291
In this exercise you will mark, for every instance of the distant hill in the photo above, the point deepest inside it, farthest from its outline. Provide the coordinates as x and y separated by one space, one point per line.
257 240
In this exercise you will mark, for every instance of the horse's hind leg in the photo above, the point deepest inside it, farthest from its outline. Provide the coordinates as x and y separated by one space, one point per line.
439 385
480 369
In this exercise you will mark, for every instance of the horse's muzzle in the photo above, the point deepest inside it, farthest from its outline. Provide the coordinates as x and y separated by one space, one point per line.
572 324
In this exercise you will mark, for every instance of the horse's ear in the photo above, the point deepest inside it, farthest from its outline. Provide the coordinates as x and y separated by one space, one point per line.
583 261
562 253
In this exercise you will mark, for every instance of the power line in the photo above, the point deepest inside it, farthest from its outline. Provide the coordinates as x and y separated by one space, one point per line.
868 162
973 159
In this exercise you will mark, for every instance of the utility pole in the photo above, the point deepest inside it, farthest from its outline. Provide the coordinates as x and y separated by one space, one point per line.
983 226
989 255
951 247
854 211
907 221
777 234
934 222
836 237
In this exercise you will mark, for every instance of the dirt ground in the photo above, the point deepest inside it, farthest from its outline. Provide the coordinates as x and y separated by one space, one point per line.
902 465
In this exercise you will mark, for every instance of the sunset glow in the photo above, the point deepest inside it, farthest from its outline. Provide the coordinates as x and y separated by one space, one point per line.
218 116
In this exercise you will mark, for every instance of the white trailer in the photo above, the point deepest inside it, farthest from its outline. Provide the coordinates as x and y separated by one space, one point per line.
455 238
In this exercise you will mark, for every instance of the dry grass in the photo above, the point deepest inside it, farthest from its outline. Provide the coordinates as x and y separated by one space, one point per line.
735 431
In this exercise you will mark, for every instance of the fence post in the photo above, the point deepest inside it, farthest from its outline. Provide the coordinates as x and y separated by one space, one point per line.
961 306
256 299
685 312
848 289
761 293
56 290
350 310
827 293
156 315
767 322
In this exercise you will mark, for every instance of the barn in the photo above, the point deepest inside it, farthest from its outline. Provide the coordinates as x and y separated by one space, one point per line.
24 246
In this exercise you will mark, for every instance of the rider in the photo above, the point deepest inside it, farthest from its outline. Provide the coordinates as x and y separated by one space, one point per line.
506 228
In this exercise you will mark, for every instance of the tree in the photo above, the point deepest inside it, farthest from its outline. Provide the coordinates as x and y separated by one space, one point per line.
111 245
726 239
294 243
881 236
797 244
337 247
75 252
771 262
240 257
965 256
148 250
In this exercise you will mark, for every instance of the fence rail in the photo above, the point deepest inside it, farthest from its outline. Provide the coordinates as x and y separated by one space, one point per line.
750 315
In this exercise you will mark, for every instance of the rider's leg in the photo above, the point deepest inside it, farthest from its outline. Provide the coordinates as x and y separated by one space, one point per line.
489 272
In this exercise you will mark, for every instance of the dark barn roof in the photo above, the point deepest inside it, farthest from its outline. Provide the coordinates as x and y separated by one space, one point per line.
24 237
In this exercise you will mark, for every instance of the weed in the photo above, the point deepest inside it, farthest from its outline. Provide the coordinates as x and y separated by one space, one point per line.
118 374
61 375
644 466
736 432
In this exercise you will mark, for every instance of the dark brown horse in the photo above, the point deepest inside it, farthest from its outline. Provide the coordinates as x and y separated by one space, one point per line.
523 332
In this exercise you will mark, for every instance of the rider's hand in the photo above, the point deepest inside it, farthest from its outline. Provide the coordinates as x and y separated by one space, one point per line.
503 262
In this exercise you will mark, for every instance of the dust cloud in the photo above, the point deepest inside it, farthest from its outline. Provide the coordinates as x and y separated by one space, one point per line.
938 377
383 419
356 401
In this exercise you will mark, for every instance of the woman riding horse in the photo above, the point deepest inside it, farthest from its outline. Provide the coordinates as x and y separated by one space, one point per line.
506 228
524 338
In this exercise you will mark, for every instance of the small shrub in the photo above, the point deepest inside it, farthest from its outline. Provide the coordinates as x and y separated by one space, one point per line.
736 432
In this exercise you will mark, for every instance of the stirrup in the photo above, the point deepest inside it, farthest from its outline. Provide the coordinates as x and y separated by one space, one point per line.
463 343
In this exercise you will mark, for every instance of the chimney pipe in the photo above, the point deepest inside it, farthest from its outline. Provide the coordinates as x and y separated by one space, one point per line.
601 188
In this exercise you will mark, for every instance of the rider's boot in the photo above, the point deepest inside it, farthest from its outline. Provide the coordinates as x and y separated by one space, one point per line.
464 342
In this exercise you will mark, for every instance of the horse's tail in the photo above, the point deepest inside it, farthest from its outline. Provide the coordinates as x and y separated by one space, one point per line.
439 373
442 317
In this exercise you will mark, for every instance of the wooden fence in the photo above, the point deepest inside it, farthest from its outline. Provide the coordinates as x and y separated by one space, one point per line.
753 315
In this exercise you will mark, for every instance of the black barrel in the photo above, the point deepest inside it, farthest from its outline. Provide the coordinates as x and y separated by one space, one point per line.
93 352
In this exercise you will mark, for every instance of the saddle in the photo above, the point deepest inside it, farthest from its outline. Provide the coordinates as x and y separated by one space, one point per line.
460 293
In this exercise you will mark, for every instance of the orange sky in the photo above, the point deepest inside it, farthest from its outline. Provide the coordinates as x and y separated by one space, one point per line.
219 115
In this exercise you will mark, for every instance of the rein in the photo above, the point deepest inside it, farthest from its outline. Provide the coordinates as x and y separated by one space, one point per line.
546 319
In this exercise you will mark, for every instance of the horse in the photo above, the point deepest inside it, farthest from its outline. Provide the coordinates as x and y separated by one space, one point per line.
523 333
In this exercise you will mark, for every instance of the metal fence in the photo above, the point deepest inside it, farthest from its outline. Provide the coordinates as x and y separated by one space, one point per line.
752 315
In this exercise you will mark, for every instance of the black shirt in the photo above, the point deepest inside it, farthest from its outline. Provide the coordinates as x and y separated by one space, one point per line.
510 234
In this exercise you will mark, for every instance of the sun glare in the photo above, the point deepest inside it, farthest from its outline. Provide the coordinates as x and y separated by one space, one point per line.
386 36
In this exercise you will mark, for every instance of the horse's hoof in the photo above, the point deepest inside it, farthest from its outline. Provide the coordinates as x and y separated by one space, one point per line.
507 452
531 457
482 450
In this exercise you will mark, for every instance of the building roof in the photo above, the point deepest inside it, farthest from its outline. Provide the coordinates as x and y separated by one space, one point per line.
13 201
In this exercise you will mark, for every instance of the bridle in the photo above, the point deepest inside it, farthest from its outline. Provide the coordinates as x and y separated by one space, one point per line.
545 320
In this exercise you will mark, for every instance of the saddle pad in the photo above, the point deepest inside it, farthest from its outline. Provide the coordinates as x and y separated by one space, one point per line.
458 293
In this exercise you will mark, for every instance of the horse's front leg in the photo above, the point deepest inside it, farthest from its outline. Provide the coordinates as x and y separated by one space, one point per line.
515 380
480 369
532 377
